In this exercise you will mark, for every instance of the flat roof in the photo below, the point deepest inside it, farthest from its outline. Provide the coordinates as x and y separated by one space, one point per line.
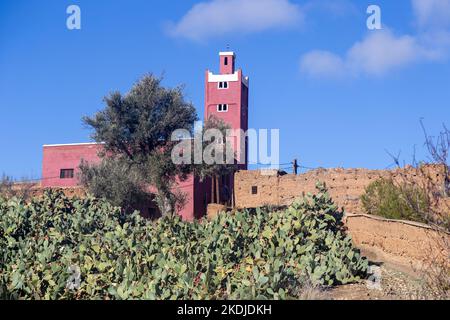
72 144
226 53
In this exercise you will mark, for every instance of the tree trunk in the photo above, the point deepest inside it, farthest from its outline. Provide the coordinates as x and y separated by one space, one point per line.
213 195
232 189
218 189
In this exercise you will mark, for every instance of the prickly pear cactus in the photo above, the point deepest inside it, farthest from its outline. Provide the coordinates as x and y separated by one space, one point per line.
60 248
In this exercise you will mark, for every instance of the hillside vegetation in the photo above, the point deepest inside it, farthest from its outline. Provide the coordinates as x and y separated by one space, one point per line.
246 255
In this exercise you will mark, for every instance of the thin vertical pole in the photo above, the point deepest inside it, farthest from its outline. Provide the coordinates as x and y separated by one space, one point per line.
213 195
295 166
218 189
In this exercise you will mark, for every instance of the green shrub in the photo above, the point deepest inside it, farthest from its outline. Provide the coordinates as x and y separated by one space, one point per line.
406 202
248 255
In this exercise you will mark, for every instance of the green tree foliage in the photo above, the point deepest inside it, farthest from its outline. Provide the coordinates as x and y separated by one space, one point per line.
142 121
406 202
136 128
204 169
118 181
260 254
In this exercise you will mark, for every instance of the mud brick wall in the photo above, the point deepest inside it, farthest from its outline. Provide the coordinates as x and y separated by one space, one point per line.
37 191
403 242
345 185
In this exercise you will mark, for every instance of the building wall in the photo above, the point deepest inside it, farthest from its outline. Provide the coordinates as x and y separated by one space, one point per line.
196 192
57 157
345 185
402 242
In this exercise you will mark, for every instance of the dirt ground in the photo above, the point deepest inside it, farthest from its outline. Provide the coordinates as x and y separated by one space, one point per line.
391 280
394 285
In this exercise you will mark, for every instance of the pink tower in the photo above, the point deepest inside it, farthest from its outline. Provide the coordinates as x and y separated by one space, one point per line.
226 97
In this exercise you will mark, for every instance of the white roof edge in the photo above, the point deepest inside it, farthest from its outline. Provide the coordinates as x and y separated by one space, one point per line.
226 53
222 77
72 144
227 77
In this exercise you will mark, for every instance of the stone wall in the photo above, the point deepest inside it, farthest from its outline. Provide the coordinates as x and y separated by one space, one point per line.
260 188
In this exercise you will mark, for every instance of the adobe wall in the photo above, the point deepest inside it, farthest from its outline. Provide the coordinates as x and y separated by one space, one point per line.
400 242
403 243
71 192
345 185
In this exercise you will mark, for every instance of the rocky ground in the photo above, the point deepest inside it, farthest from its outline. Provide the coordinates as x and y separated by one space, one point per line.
392 279
386 284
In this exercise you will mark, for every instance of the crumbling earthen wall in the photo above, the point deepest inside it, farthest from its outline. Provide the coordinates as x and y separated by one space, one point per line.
391 240
402 242
260 188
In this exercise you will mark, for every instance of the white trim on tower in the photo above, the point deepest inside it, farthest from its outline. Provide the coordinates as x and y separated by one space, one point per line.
226 53
72 144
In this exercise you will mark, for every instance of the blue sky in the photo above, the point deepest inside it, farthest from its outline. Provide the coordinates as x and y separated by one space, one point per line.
339 93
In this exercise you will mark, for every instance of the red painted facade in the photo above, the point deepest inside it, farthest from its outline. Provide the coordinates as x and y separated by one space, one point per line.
66 157
229 88
198 194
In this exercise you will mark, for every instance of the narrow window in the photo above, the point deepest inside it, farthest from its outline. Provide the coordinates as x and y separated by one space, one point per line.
226 61
222 85
254 190
66 174
222 108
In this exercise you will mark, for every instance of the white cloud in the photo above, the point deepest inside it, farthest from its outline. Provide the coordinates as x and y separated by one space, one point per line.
220 17
432 13
322 63
382 51
433 20
377 54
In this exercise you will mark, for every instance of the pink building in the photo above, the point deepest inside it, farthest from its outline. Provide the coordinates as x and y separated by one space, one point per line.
226 97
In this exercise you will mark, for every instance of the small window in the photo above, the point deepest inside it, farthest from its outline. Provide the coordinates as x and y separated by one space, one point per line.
222 108
254 190
226 61
66 173
222 85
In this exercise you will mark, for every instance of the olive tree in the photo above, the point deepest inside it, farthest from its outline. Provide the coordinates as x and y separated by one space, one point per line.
136 130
